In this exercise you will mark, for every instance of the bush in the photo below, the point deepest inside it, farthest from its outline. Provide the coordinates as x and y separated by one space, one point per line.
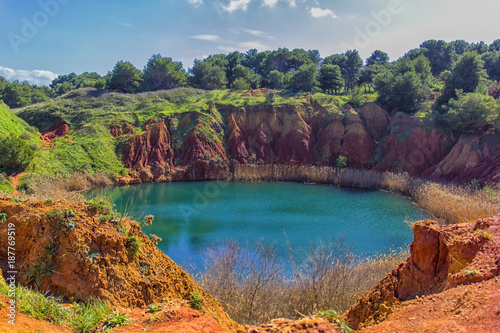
15 153
473 112
341 162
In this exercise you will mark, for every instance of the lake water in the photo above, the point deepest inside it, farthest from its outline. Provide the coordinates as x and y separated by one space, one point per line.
192 216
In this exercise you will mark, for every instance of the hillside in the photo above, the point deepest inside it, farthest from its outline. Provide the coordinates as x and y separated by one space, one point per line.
188 134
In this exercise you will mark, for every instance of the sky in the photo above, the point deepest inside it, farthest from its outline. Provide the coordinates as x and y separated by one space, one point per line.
40 39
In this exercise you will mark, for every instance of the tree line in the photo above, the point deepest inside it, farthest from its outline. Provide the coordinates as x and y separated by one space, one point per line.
438 68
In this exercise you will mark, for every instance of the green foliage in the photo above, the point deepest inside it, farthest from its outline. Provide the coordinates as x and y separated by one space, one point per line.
116 319
16 153
5 184
240 84
330 78
133 246
483 234
304 78
473 112
18 200
99 204
440 54
36 272
341 162
465 76
356 97
153 308
208 75
271 96
64 218
377 58
163 73
3 217
125 78
333 317
196 300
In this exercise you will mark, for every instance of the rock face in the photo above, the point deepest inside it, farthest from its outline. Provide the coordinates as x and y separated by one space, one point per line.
442 257
198 148
413 145
150 153
72 251
57 130
466 154
270 134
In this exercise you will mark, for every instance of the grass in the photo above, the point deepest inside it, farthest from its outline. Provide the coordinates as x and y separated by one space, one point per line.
5 184
254 287
79 317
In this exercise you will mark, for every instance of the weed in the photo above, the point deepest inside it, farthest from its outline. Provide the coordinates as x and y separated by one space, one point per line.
18 200
483 234
48 200
37 272
153 308
333 317
196 300
122 229
341 162
116 319
474 185
3 217
148 220
100 205
133 245
92 255
155 239
489 192
112 217
470 272
153 318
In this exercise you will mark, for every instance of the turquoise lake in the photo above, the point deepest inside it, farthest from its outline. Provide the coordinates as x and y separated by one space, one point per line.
193 216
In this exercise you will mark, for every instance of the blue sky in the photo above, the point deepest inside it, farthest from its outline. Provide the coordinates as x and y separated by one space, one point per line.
42 38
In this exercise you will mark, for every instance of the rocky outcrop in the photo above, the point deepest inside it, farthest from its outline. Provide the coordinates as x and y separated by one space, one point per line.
486 172
466 154
442 257
413 145
72 250
57 130
269 134
376 120
357 144
124 129
150 153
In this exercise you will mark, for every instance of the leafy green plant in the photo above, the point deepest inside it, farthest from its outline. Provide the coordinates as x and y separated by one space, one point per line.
133 245
196 300
99 204
3 217
489 192
37 272
153 308
483 234
18 200
122 229
470 272
333 317
92 255
341 162
116 319
474 184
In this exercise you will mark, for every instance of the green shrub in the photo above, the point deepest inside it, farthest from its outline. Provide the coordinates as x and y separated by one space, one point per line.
196 300
3 217
115 320
15 153
341 162
473 112
133 245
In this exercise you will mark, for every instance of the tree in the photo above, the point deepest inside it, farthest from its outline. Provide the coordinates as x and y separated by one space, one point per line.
473 112
16 95
15 153
163 73
125 77
240 84
368 73
460 46
304 79
465 76
330 78
246 74
276 80
440 54
207 75
492 64
377 58
495 46
354 64
480 47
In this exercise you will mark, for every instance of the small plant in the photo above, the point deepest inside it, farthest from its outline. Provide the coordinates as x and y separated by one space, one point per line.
474 185
92 255
271 96
489 192
341 162
133 245
122 229
38 271
196 300
3 217
49 200
483 234
153 308
112 217
470 272
116 319
18 200
153 318
333 317
99 204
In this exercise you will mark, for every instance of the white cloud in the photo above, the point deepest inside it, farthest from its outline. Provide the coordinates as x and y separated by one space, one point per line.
318 12
38 77
236 5
196 3
252 45
209 38
257 33
270 3
128 25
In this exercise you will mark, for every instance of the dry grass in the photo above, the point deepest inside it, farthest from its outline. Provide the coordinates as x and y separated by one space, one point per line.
67 187
255 287
457 204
